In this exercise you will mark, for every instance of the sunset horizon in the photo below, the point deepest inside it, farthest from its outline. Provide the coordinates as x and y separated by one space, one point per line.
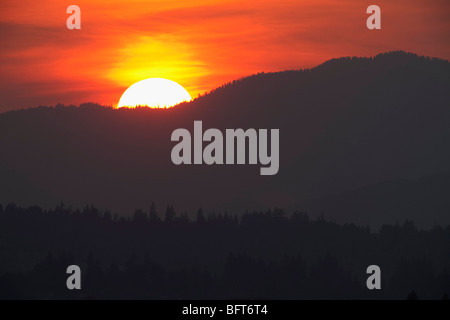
225 157
198 44
115 105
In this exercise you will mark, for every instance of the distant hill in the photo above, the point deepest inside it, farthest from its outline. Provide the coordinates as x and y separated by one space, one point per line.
344 125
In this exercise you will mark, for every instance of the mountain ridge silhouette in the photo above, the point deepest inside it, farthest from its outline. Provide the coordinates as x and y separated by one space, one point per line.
345 124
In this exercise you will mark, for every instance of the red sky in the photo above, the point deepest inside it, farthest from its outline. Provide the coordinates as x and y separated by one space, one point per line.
199 44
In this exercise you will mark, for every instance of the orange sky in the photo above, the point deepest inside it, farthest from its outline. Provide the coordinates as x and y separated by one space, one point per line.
199 44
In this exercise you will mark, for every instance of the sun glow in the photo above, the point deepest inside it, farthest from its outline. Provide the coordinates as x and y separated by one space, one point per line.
154 93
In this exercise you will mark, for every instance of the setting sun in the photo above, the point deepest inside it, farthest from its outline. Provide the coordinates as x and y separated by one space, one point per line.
154 93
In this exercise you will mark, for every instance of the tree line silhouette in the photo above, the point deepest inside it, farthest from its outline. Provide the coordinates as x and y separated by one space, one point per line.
258 255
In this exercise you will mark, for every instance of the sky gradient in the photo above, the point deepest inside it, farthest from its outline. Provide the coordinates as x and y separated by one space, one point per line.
199 44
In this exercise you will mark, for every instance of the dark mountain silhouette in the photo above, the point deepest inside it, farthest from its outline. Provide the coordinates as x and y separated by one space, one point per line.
344 125
362 140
